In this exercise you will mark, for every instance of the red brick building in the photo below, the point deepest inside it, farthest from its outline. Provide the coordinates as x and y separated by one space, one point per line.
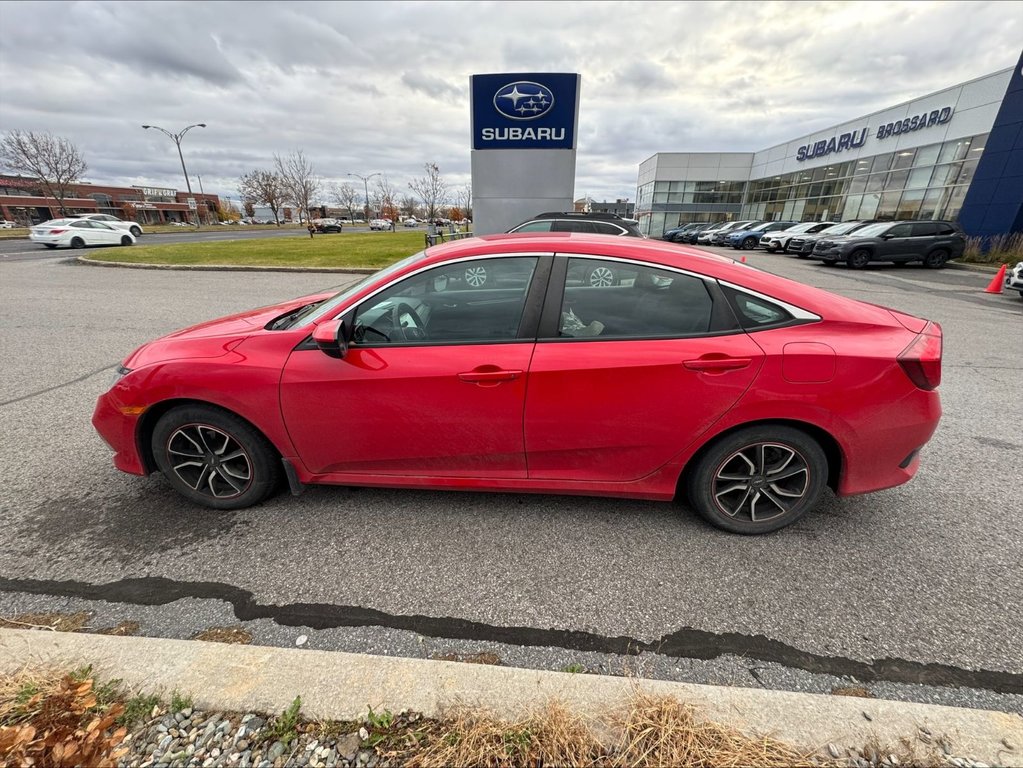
24 201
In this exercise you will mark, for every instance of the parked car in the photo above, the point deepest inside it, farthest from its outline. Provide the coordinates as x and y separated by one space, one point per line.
113 221
1014 278
5 224
589 223
743 391
78 233
704 237
749 238
802 245
692 235
327 225
572 221
899 242
411 222
677 234
379 224
720 237
779 241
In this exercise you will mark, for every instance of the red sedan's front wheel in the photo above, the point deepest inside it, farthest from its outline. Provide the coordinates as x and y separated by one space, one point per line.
214 458
758 479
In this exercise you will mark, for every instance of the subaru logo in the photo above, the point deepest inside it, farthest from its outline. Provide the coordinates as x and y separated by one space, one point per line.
524 100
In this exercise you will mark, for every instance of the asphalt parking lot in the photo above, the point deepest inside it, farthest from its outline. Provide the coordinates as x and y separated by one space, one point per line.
922 584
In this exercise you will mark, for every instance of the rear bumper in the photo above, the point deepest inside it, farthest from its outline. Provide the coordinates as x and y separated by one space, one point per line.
893 434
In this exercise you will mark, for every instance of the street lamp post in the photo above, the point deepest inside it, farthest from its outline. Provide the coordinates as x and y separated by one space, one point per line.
176 138
365 188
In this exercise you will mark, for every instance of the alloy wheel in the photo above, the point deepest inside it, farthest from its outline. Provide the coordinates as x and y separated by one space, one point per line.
209 461
602 277
476 276
761 481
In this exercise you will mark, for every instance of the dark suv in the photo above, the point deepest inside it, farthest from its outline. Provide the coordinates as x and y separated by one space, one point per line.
802 245
593 223
932 242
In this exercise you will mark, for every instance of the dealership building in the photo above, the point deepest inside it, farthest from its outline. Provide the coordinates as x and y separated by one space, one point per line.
956 154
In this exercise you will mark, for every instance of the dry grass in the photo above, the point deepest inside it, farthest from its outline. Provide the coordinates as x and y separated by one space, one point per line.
229 635
998 249
58 622
123 629
483 657
652 731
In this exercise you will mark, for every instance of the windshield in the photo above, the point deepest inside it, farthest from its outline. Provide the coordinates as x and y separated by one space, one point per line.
806 226
318 311
841 229
873 230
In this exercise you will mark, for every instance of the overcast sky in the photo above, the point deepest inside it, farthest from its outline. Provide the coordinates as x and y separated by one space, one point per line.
383 86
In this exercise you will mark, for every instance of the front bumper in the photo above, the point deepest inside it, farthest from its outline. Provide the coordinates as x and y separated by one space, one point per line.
119 431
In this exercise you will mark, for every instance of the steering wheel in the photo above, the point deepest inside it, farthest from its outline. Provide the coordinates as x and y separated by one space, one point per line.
414 332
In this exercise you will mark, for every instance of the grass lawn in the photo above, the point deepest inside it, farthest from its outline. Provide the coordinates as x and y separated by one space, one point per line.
368 249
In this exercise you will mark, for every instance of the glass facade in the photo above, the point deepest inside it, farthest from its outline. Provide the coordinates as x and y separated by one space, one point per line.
928 182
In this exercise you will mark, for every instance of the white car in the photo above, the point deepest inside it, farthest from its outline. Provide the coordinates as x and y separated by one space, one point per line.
379 224
112 221
5 224
1014 278
78 233
411 222
779 241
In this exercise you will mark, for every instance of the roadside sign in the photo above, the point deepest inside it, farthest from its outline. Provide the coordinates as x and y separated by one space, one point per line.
191 204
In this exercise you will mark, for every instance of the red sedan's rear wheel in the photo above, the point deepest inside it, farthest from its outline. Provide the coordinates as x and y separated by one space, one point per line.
215 458
758 479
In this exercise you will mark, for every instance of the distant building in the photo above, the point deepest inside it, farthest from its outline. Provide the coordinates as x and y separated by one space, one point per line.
24 200
623 208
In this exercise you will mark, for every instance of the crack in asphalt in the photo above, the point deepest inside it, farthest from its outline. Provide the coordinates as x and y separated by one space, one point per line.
684 643
38 392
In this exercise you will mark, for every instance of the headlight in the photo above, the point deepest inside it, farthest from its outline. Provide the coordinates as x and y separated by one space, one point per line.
119 374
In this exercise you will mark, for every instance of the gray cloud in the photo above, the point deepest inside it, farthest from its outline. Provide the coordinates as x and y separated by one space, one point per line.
384 87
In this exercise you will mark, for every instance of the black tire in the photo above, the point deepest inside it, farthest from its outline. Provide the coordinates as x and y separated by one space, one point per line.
858 259
802 468
196 431
749 243
77 242
936 259
135 231
125 240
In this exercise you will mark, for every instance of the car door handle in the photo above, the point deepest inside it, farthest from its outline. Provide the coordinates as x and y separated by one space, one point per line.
488 375
717 363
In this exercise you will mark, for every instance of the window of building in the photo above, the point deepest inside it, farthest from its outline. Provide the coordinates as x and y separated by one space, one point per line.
903 159
881 163
954 150
909 205
926 155
919 177
888 206
945 175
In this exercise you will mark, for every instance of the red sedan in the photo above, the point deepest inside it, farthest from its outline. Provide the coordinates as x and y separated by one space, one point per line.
493 364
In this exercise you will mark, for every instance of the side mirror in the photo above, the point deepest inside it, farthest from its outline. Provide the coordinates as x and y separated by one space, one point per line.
330 337
887 236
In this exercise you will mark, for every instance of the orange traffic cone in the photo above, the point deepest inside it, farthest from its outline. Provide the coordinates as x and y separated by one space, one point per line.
995 286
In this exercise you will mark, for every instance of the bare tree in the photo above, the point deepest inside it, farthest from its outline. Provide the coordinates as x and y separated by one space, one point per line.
387 195
408 205
300 182
264 188
431 189
54 160
464 196
346 196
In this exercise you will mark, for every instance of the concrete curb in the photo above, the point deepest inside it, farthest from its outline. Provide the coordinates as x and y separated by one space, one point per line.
336 685
226 267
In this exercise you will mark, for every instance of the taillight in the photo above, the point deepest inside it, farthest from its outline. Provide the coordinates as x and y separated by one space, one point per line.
921 360
57 231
